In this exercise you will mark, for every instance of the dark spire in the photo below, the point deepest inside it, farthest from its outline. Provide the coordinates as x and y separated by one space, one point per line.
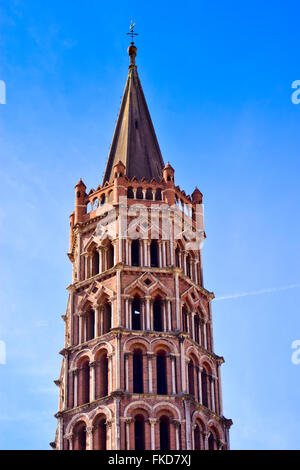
134 142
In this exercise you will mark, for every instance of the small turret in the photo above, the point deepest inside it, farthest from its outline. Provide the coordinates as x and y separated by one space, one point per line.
80 207
197 196
168 176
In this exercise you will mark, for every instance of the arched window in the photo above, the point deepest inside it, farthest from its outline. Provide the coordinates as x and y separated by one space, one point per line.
130 193
197 437
79 436
139 432
164 433
88 207
158 195
184 320
102 375
99 433
149 194
106 317
188 266
154 254
157 315
102 199
95 262
212 445
135 252
161 373
191 378
110 256
84 383
204 385
90 325
177 258
138 371
136 314
197 328
139 193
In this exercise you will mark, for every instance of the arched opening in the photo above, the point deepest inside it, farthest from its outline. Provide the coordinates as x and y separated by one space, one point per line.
149 194
177 257
204 386
136 313
188 266
164 433
102 199
197 437
157 315
135 252
212 445
79 436
102 375
84 382
191 377
99 433
161 373
130 193
158 195
90 325
154 254
197 328
139 432
138 371
184 319
110 256
95 262
106 317
139 193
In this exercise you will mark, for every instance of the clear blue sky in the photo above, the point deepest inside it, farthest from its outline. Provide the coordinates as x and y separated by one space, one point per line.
217 77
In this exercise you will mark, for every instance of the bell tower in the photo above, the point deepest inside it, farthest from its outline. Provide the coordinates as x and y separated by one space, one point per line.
139 370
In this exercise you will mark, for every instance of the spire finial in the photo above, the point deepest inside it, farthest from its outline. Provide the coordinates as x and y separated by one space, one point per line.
132 49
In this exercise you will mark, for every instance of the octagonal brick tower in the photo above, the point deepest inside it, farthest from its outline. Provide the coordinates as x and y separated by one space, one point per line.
139 369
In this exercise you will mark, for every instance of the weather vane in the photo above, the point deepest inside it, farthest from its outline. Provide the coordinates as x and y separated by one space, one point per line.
131 32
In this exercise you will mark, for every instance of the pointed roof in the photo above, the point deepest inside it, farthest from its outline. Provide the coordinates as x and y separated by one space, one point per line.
134 142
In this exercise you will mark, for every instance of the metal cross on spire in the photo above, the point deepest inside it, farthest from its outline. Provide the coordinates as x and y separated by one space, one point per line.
131 32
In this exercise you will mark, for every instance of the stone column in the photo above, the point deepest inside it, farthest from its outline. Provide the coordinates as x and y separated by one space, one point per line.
109 429
165 328
177 431
200 384
92 381
75 388
187 424
100 259
127 432
126 358
206 436
89 437
117 421
148 312
69 437
182 364
152 422
80 328
169 314
159 254
173 369
150 383
96 321
177 300
193 325
110 374
220 390
205 335
212 393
